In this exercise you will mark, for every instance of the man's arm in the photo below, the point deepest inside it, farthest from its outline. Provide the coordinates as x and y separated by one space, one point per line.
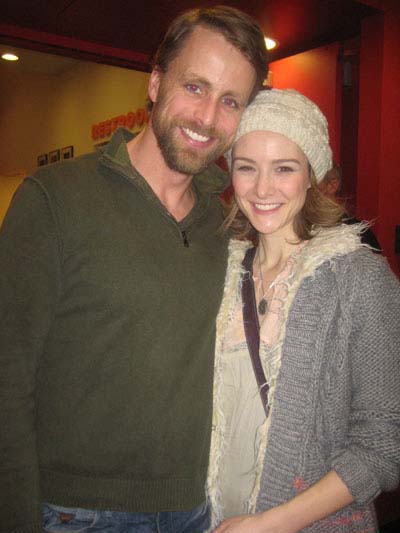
29 285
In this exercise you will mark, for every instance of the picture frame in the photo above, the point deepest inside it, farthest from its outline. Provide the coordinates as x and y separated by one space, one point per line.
54 156
42 160
67 152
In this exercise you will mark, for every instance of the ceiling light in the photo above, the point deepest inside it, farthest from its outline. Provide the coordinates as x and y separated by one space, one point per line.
9 57
270 43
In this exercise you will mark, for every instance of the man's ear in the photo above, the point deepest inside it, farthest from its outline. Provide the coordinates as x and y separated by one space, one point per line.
154 84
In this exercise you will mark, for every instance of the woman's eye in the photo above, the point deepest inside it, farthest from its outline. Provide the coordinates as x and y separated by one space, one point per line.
244 168
284 169
192 88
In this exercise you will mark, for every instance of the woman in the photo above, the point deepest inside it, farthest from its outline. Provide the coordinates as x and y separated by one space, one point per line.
312 448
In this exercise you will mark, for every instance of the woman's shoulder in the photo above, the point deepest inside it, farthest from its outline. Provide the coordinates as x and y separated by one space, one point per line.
337 240
368 275
363 262
339 255
237 250
363 280
341 246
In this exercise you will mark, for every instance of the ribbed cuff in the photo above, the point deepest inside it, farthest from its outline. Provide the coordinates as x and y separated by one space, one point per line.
355 474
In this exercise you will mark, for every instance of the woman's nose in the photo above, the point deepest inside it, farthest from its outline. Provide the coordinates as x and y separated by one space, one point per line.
265 185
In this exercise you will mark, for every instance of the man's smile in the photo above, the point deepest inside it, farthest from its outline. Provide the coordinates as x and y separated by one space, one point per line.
196 136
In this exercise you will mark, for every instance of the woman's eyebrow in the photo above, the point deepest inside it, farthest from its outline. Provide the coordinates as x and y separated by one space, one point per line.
243 159
285 161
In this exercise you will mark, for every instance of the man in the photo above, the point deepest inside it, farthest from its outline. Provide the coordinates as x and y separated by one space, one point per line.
330 186
111 278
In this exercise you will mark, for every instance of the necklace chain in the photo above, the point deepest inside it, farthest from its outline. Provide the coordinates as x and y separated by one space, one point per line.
263 303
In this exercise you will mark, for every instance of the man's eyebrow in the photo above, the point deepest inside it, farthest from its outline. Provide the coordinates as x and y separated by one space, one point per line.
192 77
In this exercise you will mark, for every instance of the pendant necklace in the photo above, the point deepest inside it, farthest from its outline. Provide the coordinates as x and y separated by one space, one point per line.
263 303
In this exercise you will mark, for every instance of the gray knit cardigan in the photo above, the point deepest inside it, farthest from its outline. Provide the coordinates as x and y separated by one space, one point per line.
336 404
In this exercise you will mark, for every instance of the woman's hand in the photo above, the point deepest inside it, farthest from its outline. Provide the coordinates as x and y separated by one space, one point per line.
325 497
256 523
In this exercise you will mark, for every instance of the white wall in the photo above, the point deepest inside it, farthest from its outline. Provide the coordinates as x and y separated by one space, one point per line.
40 113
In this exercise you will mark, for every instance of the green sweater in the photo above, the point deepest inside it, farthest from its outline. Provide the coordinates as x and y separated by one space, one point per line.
107 309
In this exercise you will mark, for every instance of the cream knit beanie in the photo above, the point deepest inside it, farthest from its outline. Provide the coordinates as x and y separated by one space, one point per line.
296 117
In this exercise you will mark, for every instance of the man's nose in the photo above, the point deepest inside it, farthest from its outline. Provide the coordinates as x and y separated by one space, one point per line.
206 111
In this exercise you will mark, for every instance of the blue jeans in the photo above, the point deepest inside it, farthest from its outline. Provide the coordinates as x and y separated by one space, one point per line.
57 519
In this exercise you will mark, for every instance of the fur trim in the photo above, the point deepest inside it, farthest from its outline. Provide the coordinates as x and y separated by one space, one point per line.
231 296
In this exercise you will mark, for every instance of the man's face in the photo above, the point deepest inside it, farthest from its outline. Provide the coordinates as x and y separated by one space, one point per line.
198 102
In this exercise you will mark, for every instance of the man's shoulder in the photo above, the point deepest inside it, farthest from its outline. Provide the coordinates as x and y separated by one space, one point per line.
86 170
69 185
74 177
71 169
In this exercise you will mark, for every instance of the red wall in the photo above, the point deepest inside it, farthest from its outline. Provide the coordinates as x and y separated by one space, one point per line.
378 187
369 120
389 183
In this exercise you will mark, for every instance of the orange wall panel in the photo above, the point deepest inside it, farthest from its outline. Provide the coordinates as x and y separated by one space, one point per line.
314 73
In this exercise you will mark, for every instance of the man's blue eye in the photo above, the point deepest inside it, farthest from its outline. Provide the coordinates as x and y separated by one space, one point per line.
192 88
231 103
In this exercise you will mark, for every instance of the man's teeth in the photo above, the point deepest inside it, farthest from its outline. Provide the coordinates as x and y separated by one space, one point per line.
266 207
195 136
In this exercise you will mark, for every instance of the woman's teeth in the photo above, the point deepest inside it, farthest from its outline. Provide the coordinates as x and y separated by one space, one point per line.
267 207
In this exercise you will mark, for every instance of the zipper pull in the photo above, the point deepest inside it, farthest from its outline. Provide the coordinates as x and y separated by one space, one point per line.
185 239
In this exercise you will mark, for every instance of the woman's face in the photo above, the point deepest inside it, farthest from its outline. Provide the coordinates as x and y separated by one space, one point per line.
270 176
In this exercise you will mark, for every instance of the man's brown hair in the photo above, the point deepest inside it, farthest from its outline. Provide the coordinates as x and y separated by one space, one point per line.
237 27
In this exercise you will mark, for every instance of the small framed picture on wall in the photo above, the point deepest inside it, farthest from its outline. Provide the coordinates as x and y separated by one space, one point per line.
67 152
42 160
54 156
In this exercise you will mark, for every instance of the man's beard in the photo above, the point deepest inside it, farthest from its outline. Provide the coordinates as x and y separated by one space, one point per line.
181 158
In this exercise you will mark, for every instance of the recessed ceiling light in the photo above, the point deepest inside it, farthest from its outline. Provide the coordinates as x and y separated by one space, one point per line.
9 57
270 43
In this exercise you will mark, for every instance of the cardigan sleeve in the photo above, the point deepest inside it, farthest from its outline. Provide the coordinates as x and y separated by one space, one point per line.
371 461
29 274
